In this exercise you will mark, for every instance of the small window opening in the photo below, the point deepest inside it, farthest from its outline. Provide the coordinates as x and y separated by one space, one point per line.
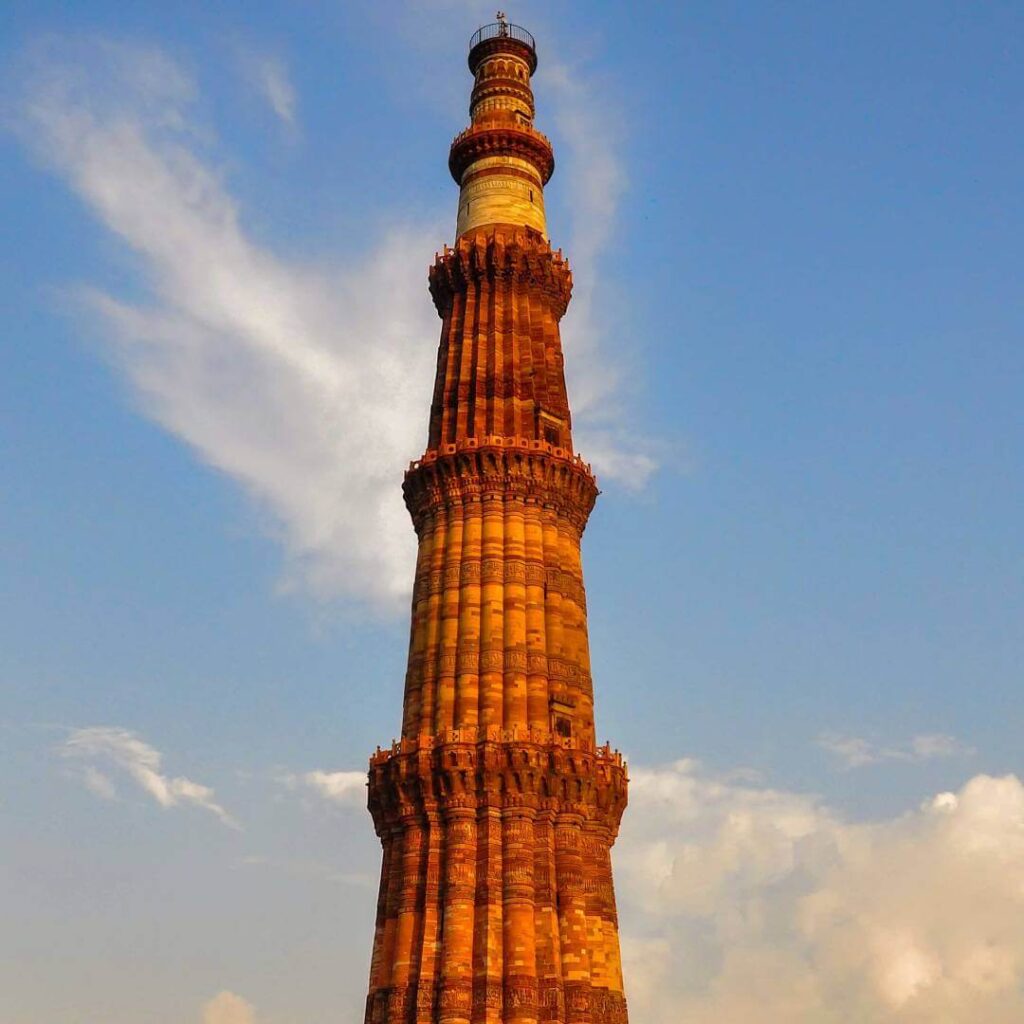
551 436
563 727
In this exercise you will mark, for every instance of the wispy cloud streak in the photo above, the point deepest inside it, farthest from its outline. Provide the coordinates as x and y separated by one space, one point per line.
586 124
306 384
94 751
858 752
269 75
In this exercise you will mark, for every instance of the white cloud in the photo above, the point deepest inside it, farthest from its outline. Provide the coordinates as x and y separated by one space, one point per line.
227 1008
340 787
97 783
345 788
924 748
586 122
857 752
269 76
126 752
308 385
740 902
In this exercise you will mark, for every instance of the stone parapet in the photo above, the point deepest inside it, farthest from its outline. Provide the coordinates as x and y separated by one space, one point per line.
501 467
496 901
488 139
516 256
470 768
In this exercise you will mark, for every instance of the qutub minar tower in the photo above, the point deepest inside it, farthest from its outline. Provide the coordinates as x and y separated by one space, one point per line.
496 809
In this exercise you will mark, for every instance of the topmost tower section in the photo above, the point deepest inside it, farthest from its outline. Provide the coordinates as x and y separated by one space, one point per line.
501 162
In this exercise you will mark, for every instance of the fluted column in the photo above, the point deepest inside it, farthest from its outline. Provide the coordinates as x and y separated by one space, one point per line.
444 714
418 634
378 975
456 995
492 613
551 998
610 923
467 668
515 614
592 841
430 939
437 522
488 939
408 911
572 917
520 958
386 960
536 634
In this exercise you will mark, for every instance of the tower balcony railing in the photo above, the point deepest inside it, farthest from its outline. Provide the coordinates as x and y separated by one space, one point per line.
471 735
519 127
503 30
522 444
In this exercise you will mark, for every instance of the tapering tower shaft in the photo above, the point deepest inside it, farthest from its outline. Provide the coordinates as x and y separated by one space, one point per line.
496 809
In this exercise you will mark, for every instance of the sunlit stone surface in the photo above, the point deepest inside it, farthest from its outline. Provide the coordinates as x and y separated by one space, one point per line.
496 809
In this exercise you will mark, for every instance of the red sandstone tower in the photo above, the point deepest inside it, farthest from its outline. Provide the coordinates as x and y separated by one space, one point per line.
496 809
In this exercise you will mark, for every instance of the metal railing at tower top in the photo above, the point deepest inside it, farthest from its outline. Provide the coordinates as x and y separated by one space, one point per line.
502 30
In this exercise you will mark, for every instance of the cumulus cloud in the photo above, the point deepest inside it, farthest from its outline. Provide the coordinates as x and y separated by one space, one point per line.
740 902
227 1008
307 384
90 750
857 752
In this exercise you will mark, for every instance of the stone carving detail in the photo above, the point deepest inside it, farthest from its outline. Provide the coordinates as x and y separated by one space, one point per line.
574 781
487 994
515 571
492 571
561 482
536 664
536 576
515 661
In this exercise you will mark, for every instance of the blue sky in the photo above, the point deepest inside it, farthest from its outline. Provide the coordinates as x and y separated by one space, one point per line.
795 358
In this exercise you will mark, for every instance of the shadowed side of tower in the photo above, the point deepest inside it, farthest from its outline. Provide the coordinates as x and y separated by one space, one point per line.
496 809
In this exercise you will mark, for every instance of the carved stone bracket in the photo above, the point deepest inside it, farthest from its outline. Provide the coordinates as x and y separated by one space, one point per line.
501 468
522 257
482 140
457 776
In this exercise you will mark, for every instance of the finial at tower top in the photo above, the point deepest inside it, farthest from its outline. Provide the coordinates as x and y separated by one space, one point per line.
501 35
